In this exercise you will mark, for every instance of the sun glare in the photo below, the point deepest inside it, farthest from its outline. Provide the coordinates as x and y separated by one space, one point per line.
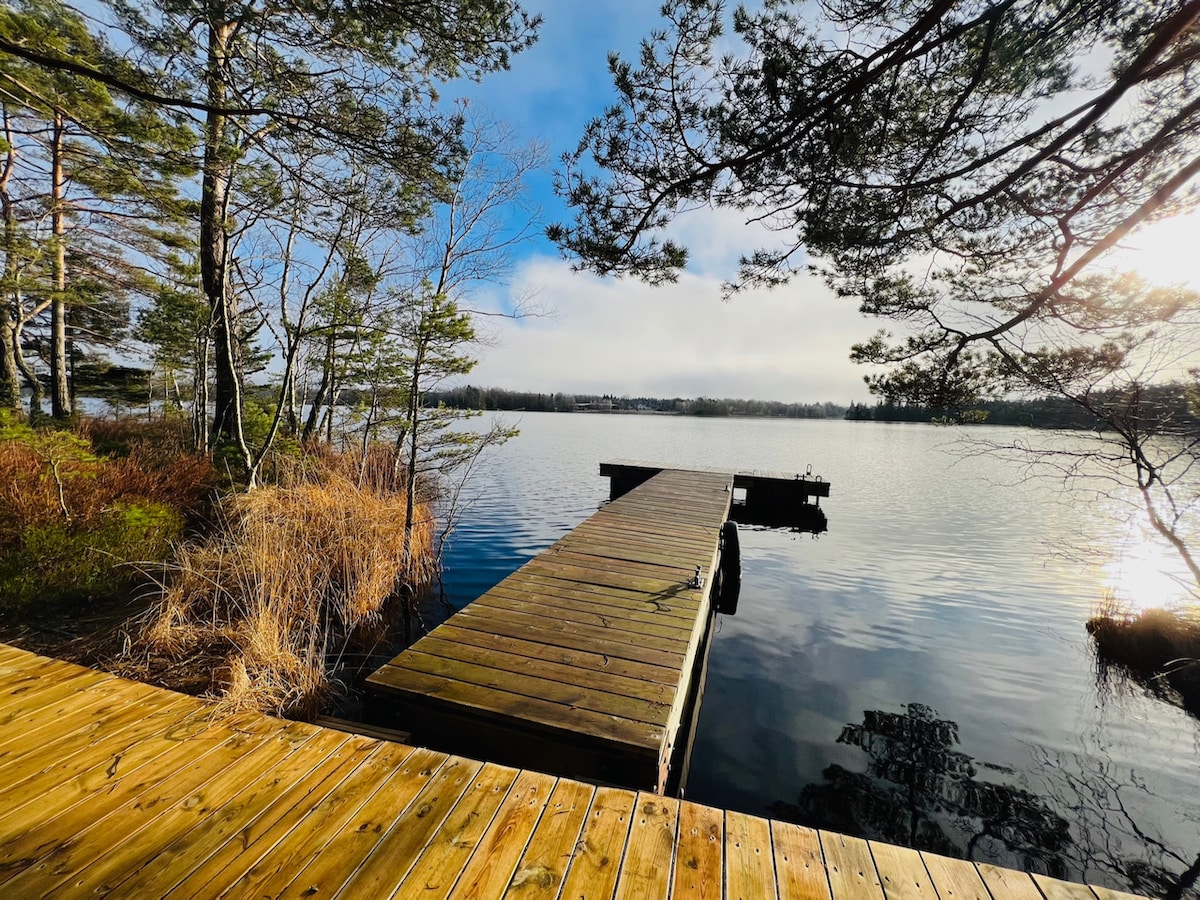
1144 574
1164 252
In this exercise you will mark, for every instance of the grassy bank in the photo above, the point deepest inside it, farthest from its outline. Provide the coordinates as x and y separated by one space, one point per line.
1159 648
247 597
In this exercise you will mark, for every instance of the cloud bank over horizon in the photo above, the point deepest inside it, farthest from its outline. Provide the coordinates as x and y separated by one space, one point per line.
622 337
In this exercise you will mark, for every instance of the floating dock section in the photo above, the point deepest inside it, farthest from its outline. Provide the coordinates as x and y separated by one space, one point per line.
589 660
777 499
583 662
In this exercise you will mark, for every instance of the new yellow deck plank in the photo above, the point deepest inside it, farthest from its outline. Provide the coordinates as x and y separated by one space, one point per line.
749 860
539 872
194 806
275 851
127 843
491 867
30 684
902 872
851 868
320 854
402 834
1008 884
699 857
232 824
79 837
36 716
955 879
1053 889
1109 894
74 805
799 863
596 861
439 842
650 850
106 738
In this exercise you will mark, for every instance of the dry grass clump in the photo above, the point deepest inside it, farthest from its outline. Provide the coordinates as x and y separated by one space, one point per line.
1160 648
292 576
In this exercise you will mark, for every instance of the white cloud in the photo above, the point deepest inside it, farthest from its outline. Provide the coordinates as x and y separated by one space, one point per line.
623 337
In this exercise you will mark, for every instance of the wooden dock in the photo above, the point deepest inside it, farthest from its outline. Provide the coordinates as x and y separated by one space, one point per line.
583 662
778 499
117 788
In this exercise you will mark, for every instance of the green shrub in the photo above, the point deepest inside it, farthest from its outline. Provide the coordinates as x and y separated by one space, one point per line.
75 525
71 562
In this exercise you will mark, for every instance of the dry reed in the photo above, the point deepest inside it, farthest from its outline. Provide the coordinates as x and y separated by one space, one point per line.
1160 648
293 575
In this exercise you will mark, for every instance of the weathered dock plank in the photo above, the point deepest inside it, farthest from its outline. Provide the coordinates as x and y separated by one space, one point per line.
616 597
190 804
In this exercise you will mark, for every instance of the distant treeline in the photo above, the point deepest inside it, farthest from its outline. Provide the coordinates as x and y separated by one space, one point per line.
1173 403
471 397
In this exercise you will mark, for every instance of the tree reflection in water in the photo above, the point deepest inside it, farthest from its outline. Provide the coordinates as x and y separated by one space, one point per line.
919 791
1112 845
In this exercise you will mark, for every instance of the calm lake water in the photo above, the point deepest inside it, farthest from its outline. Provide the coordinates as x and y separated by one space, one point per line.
918 674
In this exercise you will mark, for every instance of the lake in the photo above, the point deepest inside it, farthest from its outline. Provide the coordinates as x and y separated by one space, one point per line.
918 674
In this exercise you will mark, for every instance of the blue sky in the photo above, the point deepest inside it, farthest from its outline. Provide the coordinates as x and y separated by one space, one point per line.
620 336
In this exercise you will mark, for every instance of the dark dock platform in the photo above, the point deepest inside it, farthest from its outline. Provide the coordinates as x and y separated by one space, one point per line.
582 662
124 790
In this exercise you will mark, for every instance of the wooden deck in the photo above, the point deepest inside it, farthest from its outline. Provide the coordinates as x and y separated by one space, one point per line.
581 662
116 788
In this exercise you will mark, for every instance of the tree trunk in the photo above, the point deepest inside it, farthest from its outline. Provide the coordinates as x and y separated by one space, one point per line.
214 240
10 382
200 433
414 410
313 422
36 392
60 390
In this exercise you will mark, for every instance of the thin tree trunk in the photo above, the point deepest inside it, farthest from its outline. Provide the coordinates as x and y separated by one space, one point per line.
414 410
10 383
36 392
214 241
312 425
60 391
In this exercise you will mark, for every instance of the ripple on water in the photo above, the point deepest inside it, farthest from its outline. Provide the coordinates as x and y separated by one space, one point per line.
930 596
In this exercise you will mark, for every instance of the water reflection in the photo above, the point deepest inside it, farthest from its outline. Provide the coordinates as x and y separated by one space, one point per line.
1118 840
919 791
